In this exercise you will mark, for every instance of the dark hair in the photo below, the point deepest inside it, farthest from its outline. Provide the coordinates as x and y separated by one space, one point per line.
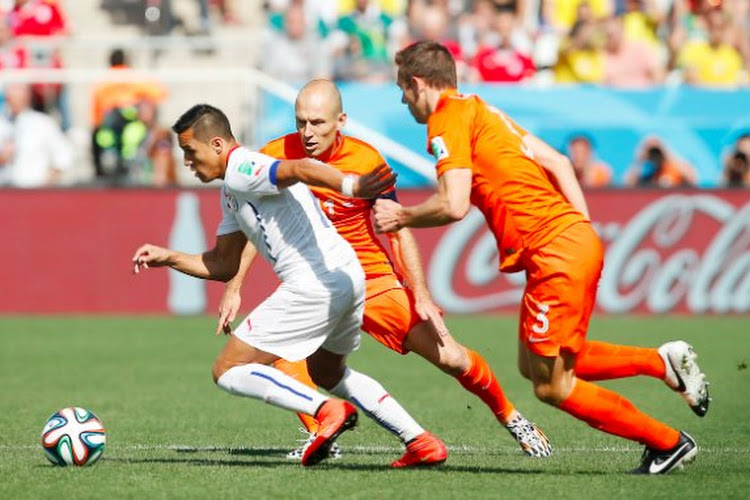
429 61
206 122
736 176
656 155
740 156
117 58
652 165
505 6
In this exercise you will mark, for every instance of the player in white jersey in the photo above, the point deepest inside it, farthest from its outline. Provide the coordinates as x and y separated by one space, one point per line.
316 312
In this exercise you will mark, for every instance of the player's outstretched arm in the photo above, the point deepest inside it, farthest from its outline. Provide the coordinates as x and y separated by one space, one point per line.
220 263
315 173
232 298
562 171
450 203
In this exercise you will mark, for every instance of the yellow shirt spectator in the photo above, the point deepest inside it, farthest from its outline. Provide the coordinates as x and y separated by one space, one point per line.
393 8
580 66
704 64
638 26
564 13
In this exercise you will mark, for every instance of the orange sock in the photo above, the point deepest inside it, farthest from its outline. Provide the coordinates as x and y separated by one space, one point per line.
609 412
480 380
298 371
605 361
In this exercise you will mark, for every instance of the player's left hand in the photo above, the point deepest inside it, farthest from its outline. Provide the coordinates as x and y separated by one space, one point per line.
430 312
228 308
378 180
150 256
387 214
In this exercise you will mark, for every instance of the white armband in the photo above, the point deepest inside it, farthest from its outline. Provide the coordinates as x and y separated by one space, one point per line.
347 185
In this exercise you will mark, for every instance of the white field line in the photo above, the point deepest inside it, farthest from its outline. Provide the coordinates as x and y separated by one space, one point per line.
460 449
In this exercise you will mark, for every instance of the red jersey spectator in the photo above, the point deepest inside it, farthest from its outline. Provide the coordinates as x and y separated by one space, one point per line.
504 62
37 18
41 18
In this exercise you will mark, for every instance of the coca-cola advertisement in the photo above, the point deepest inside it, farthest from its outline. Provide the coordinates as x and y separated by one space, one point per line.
69 252
665 252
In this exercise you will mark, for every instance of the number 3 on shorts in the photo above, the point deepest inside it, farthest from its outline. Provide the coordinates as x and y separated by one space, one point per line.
543 324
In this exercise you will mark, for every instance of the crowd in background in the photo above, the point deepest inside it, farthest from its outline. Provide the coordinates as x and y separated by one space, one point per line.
622 43
619 43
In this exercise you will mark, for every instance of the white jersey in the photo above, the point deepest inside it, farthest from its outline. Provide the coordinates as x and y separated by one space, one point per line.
287 226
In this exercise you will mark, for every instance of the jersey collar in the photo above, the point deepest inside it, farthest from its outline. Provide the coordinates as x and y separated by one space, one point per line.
445 95
231 150
334 149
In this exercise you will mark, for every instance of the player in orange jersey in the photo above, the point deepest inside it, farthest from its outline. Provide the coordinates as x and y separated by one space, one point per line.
403 318
533 204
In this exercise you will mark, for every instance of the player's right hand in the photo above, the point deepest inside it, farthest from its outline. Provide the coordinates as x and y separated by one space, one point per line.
228 308
150 256
376 181
430 312
387 214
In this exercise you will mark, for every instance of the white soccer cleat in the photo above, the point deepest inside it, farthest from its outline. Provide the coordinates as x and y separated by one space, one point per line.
684 376
297 453
532 440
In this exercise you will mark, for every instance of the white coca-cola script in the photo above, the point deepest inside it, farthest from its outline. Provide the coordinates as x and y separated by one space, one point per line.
678 253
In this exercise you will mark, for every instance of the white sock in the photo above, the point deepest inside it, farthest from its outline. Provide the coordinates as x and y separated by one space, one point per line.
373 399
272 386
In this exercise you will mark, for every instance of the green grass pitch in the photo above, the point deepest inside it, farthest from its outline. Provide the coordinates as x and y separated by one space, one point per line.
172 434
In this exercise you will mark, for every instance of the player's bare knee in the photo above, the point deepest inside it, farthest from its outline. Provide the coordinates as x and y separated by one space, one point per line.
549 393
454 360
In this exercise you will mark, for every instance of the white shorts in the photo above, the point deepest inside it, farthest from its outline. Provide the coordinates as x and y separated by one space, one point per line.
297 319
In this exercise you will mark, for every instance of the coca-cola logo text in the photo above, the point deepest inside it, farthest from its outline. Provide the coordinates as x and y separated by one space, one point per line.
679 252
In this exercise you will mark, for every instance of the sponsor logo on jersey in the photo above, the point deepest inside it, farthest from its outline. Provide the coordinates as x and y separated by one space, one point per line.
438 148
247 168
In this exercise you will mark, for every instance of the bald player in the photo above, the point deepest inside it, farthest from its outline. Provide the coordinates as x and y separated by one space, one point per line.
399 310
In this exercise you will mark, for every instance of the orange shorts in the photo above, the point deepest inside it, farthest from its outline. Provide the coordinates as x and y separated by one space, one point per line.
389 312
562 278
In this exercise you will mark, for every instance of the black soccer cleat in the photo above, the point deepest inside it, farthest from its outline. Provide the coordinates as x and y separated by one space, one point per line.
662 462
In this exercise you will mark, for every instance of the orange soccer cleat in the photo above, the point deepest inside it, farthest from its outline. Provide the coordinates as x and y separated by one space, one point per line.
334 417
423 450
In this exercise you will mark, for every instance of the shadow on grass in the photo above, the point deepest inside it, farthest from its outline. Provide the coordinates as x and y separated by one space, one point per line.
337 465
210 462
250 452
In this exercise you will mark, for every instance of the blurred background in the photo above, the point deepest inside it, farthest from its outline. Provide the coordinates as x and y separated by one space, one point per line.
648 98
635 92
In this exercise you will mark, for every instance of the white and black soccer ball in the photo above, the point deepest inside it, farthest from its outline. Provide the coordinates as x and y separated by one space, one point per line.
73 436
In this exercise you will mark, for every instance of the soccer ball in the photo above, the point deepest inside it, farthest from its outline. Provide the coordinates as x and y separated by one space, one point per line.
73 436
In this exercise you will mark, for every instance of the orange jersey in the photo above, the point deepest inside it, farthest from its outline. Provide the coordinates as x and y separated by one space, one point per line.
350 216
522 206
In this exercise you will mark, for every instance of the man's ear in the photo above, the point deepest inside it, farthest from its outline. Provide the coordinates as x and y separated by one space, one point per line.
341 122
217 144
417 84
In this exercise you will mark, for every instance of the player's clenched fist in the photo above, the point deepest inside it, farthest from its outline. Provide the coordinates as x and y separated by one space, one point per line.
387 216
150 256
